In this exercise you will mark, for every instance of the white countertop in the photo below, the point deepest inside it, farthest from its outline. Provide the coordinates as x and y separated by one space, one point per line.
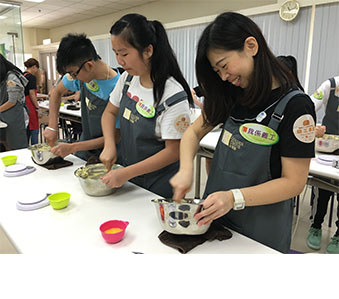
76 228
62 110
316 169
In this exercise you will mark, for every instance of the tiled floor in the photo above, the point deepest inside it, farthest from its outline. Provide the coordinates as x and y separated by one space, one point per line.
301 223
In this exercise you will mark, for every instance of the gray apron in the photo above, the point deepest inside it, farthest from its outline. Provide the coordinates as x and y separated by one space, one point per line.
92 108
16 134
138 142
331 118
249 165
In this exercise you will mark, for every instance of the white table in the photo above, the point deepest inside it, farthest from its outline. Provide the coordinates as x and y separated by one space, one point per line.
64 112
76 228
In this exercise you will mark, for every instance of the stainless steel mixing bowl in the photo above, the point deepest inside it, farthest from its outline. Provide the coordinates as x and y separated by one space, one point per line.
41 153
89 177
178 218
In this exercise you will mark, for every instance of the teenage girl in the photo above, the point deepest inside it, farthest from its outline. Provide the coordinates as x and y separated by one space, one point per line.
262 157
152 99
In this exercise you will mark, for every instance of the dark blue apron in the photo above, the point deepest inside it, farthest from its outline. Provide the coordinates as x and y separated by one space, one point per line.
331 118
92 108
138 142
243 164
16 134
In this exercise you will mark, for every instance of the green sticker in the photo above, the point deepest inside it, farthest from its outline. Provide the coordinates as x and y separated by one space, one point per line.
146 110
258 134
93 86
318 94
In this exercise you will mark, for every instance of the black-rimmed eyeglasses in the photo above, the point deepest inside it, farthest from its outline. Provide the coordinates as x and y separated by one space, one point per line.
75 74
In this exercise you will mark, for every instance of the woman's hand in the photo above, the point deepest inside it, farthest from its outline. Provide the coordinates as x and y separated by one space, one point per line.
215 205
62 150
115 178
108 157
320 131
181 183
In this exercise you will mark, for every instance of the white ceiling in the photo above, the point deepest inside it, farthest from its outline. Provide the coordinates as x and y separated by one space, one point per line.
54 13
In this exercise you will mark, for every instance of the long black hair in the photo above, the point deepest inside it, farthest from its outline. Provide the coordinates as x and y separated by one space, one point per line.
228 32
140 33
5 67
292 65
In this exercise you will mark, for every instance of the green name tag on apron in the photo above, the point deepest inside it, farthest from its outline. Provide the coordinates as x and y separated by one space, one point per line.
258 134
146 110
92 86
318 95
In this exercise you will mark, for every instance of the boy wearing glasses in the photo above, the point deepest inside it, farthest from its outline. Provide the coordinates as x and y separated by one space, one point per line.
85 71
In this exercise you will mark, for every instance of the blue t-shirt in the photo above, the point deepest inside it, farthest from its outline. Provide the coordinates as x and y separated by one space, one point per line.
100 88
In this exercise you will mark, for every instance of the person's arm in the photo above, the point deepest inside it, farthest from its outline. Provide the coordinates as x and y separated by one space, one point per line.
5 106
321 95
163 158
65 149
108 119
291 183
33 98
189 146
51 131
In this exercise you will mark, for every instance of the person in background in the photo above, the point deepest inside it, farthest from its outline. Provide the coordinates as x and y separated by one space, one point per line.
292 66
31 73
196 92
87 73
326 96
262 157
152 99
12 105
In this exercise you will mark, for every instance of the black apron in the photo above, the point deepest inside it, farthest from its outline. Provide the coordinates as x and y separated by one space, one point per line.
15 133
331 118
238 163
138 142
92 108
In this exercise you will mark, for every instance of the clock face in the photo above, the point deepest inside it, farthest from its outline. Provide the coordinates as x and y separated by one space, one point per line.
289 10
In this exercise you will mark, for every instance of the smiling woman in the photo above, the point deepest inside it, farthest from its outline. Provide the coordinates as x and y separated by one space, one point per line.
262 157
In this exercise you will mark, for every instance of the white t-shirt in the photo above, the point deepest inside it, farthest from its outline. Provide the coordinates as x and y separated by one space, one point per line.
172 122
321 95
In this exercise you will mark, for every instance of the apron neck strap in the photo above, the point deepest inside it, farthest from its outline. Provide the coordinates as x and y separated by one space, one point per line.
127 84
278 113
177 98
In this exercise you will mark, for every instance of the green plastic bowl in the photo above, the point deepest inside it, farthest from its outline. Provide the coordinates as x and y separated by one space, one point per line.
9 160
59 200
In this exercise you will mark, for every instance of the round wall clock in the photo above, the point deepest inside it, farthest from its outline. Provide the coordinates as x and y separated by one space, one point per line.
289 10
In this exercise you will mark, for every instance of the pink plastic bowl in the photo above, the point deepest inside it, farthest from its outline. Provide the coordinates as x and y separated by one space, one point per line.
116 237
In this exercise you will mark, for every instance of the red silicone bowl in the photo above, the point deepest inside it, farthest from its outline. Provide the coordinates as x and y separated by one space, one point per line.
113 237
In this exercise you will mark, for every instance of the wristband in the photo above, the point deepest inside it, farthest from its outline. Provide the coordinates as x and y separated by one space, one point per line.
51 129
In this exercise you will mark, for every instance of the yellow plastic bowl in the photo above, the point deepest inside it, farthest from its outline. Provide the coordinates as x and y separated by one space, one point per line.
9 160
59 200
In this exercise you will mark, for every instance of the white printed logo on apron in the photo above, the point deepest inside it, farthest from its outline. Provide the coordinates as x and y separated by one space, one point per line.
181 123
89 105
304 128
